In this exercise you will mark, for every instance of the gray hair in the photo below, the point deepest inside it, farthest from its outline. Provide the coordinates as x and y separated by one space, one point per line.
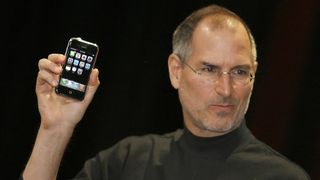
182 36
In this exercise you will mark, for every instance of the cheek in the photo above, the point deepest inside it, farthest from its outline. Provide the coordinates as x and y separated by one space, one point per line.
194 91
243 95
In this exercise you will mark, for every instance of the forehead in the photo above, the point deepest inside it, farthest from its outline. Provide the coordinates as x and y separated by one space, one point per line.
223 39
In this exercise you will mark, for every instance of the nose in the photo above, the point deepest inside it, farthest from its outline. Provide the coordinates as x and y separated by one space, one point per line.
223 85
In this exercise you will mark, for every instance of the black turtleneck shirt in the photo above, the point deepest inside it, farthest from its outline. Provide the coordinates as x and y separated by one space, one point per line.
180 155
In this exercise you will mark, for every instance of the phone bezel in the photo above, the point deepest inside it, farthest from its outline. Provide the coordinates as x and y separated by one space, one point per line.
83 46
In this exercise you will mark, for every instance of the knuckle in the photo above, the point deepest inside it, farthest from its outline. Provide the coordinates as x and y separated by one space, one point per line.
41 62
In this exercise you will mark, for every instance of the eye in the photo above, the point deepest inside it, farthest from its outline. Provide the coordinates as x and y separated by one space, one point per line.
209 68
240 72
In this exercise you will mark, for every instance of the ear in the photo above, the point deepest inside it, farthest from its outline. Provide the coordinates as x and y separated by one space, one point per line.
175 67
255 67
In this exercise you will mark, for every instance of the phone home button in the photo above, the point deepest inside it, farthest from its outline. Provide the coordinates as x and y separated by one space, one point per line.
70 92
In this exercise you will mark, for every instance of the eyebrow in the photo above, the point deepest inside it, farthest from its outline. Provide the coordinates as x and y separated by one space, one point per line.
208 64
244 66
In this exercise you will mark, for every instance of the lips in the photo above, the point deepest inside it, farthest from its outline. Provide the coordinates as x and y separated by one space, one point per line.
222 107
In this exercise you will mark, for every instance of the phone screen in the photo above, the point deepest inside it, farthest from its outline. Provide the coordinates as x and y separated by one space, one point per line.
80 59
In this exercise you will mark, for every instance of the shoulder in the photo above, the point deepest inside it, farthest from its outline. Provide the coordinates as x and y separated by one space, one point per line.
132 153
148 140
141 144
260 157
129 156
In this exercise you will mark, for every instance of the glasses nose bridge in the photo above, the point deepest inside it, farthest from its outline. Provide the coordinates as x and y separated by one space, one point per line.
220 73
224 73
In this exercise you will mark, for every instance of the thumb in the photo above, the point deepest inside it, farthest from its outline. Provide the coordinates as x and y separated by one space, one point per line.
93 84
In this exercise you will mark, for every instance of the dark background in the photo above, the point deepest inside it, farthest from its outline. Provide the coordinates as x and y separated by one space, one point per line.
135 96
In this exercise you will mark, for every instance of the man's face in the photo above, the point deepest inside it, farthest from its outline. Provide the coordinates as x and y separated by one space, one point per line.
214 108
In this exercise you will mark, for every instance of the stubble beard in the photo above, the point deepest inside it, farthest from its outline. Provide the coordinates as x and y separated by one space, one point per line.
206 123
217 125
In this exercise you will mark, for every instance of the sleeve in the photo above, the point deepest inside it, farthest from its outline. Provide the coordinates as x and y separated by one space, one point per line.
259 161
124 160
105 165
91 170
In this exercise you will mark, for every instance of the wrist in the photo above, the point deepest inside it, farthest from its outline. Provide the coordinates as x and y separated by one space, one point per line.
49 125
55 132
48 151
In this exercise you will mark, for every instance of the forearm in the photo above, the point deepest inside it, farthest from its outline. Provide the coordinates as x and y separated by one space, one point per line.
47 153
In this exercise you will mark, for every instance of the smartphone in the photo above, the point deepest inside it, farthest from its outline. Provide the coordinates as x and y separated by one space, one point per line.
81 56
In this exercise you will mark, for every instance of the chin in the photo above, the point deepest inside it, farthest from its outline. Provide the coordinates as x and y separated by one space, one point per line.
221 125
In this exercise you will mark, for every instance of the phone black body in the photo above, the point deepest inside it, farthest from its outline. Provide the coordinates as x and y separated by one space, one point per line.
81 56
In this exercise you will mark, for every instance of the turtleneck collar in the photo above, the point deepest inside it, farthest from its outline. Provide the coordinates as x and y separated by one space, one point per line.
214 147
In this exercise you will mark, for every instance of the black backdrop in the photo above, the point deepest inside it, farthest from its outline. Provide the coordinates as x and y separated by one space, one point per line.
135 96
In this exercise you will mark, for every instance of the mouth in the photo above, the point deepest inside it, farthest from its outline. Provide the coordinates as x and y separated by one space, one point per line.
222 107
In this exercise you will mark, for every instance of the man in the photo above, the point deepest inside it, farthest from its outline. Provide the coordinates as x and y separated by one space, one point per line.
212 67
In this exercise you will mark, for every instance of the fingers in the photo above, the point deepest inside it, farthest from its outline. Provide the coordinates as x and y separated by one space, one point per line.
52 64
49 69
93 84
57 58
94 78
47 77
